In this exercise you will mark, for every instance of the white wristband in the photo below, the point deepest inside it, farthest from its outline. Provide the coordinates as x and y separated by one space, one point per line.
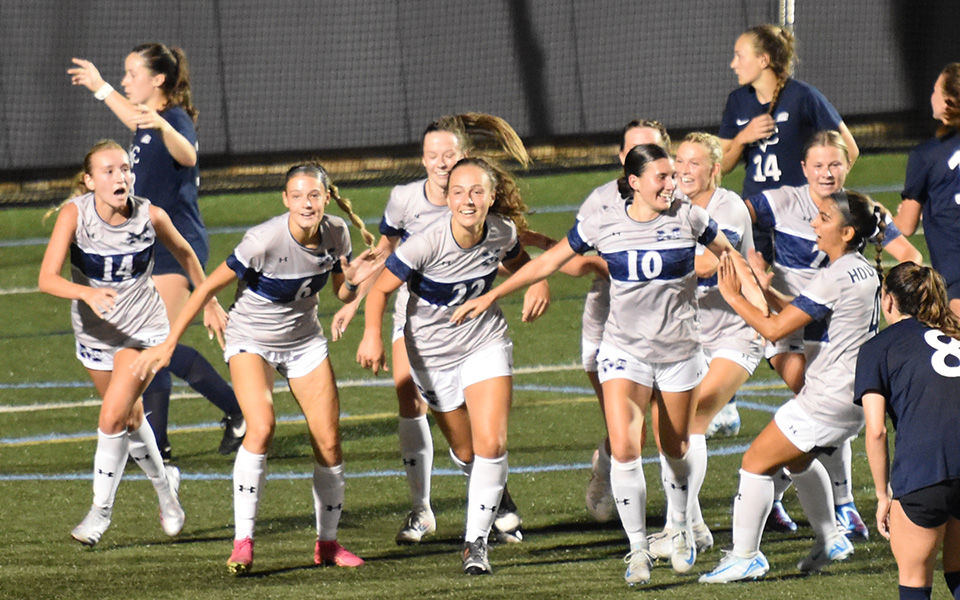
105 90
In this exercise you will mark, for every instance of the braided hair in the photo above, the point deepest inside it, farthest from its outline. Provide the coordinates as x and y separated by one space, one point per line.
317 171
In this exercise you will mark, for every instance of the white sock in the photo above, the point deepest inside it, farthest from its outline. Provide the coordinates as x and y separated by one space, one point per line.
816 498
416 450
697 459
487 479
249 475
781 483
108 463
327 499
464 467
839 469
750 511
630 493
676 482
144 451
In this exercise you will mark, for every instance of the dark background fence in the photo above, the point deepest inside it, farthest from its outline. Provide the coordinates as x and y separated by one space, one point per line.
308 76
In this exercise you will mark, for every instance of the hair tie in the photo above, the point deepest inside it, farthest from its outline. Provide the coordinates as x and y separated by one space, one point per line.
877 219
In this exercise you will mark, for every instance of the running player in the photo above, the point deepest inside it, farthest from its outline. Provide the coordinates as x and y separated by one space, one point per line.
110 236
281 265
159 110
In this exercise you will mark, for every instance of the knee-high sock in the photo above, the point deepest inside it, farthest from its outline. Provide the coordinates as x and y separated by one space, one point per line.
487 479
465 467
697 459
416 450
630 493
144 450
839 469
750 510
249 475
327 499
816 497
190 366
108 463
781 483
156 406
676 484
912 593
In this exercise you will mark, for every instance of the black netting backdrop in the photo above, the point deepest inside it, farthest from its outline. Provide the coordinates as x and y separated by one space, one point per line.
292 76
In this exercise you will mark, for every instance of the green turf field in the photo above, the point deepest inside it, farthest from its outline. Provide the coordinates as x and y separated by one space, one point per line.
47 428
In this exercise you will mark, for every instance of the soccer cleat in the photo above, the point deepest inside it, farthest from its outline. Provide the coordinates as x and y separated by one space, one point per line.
683 551
702 537
506 525
332 553
779 520
166 453
737 568
661 544
234 428
91 528
639 562
241 560
835 549
725 423
851 523
420 522
475 558
600 502
171 513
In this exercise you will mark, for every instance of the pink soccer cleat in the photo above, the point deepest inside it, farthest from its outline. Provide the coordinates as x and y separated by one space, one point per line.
332 553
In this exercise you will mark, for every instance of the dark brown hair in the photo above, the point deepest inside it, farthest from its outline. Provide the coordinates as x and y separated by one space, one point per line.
172 64
921 293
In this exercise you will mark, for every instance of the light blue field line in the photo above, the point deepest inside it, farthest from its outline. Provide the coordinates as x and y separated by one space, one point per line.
525 469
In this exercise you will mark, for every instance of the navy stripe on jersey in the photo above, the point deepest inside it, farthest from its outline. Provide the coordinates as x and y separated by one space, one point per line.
280 291
817 331
441 293
797 252
761 207
115 267
390 231
733 237
576 240
890 233
514 252
811 307
709 234
647 265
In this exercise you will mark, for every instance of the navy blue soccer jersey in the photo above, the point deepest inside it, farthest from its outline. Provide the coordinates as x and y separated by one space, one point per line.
933 180
800 112
917 370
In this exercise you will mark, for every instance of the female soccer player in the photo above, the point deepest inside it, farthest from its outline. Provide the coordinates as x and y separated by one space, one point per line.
281 265
932 188
411 209
463 373
159 110
649 246
910 372
110 237
844 299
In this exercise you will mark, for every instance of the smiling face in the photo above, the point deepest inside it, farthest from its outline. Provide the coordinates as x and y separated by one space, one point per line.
441 150
825 168
832 235
306 198
109 177
696 171
654 186
746 63
470 195
139 84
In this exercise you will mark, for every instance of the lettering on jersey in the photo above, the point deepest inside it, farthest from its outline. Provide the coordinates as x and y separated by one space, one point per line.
860 274
116 267
455 293
673 234
953 163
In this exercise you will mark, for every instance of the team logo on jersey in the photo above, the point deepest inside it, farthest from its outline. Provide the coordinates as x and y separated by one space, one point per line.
146 138
136 238
742 122
673 234
488 258
782 117
324 258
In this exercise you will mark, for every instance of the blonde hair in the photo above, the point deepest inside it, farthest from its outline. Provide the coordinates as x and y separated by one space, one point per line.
317 171
714 150
479 133
827 138
79 186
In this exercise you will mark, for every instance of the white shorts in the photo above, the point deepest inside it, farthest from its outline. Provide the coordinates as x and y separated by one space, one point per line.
101 359
807 433
399 322
289 363
588 354
792 344
746 354
443 388
678 376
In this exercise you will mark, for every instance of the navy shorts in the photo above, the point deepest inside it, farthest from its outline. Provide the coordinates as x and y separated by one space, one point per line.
933 505
164 263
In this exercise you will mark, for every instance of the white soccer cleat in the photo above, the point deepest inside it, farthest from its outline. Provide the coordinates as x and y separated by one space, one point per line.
600 503
92 527
171 513
683 551
661 544
835 549
639 562
702 537
726 423
737 568
419 523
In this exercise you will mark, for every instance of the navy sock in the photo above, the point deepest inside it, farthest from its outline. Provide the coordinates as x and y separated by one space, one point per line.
156 404
190 366
953 582
912 593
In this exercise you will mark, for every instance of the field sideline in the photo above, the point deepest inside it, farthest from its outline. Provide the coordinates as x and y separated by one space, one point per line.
48 415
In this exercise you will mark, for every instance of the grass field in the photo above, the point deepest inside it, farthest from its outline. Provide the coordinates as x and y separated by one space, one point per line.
48 419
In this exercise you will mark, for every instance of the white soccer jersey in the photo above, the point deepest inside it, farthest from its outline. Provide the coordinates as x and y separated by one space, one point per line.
441 276
844 300
719 322
789 212
596 306
653 305
276 302
120 258
605 196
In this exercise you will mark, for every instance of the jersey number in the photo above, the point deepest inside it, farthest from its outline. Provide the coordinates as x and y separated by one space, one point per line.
766 169
651 264
939 359
125 271
460 292
304 290
952 164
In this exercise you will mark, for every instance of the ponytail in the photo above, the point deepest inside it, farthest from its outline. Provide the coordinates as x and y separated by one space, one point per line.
172 64
921 293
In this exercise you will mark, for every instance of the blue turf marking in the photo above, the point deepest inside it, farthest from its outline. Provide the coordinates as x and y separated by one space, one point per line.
526 469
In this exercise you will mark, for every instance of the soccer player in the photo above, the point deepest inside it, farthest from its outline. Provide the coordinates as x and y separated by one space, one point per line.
158 108
110 236
281 265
